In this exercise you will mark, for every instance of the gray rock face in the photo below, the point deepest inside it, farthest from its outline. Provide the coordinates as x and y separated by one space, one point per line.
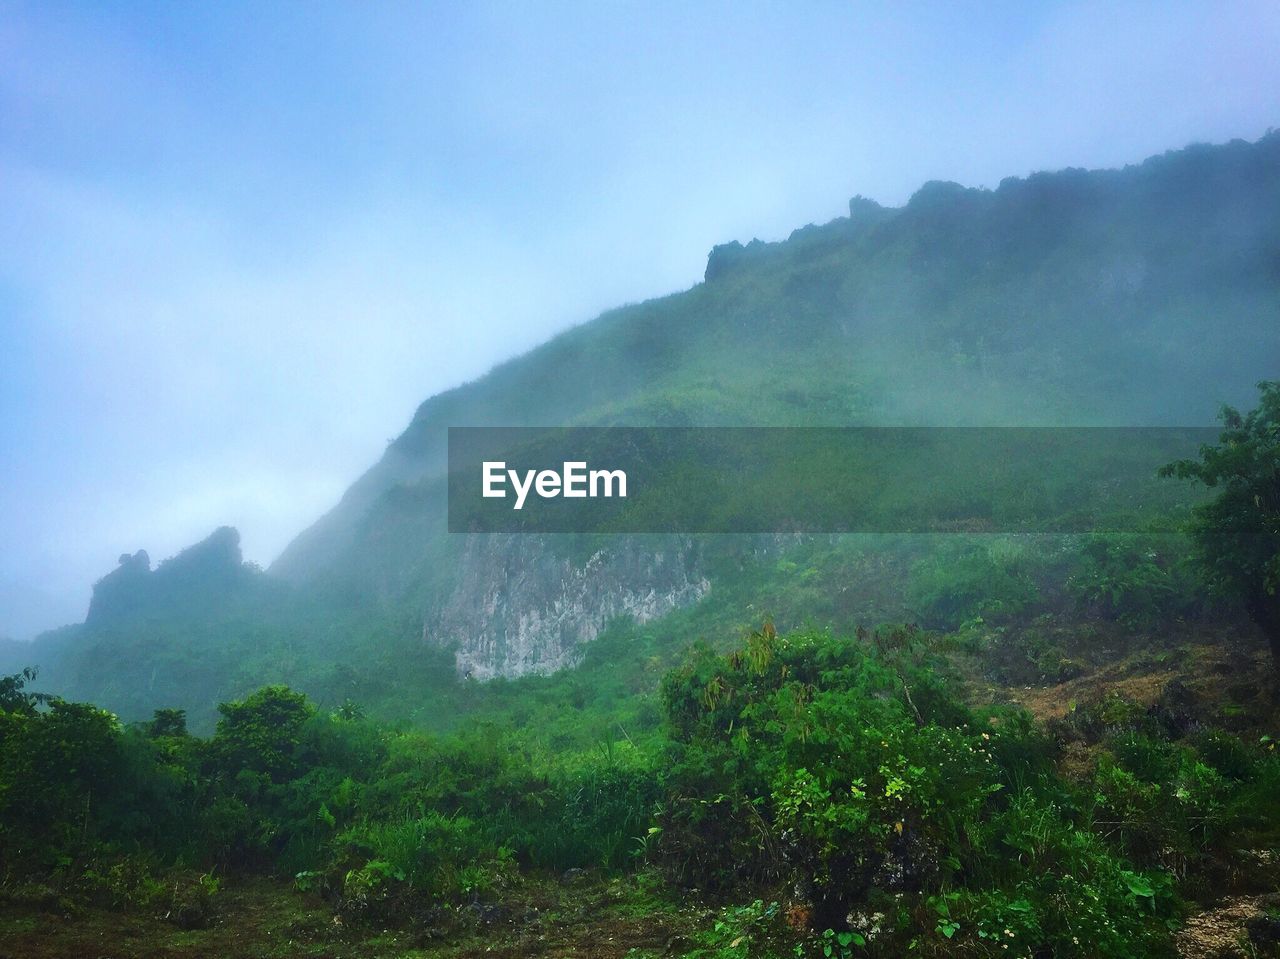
521 607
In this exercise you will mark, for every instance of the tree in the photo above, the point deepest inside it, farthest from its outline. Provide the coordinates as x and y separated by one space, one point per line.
56 765
262 733
1237 534
13 695
168 723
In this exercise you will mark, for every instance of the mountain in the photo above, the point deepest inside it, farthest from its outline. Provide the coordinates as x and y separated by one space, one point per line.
201 579
1142 296
1147 295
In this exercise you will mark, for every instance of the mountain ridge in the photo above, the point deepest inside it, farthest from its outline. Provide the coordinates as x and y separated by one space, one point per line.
1036 215
1146 295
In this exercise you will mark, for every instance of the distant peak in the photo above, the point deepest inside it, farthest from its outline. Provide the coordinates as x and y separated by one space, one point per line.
939 193
200 573
864 208
138 561
728 256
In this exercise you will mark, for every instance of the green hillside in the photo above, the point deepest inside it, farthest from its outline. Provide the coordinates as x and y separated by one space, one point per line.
1148 295
1142 296
403 742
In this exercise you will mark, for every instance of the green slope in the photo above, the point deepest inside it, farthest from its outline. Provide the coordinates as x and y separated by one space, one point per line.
1147 295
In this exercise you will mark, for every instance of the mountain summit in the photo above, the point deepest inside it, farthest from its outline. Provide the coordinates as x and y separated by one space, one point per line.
1147 295
1141 296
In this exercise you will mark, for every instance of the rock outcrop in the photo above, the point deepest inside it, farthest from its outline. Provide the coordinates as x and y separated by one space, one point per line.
200 575
122 592
521 607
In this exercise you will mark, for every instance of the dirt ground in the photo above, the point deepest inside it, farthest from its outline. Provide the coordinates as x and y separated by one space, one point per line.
261 919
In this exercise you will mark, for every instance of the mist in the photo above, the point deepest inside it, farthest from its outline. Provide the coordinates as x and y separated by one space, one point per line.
238 251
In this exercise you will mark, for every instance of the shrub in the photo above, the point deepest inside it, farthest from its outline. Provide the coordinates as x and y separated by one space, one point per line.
262 733
810 758
958 584
51 763
1137 580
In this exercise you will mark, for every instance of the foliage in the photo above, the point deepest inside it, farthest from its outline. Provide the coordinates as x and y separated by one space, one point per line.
1137 580
845 770
14 695
262 733
873 794
954 585
1237 534
56 766
753 931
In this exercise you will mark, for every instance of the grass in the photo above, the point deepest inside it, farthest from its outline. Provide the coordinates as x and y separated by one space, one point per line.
593 916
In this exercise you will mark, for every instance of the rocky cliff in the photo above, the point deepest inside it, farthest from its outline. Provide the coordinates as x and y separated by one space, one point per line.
521 607
1066 298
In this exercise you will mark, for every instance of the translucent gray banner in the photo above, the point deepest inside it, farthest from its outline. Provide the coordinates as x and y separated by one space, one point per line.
821 479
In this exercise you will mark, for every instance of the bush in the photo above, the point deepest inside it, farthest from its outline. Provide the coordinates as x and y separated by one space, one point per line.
958 584
51 763
262 733
1136 580
443 857
810 758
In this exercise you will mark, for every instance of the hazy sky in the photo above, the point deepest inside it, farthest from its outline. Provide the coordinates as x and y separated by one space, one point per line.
239 243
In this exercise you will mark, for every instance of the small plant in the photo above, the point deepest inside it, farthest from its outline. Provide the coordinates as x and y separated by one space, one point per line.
838 945
192 904
128 884
743 932
308 880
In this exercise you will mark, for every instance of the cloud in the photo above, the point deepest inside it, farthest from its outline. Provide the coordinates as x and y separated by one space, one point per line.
239 245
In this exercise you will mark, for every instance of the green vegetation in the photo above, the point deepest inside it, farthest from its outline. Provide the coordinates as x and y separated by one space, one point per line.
843 777
1068 298
1053 745
1237 535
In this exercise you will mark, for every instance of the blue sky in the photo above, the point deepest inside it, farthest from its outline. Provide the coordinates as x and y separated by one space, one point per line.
240 242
